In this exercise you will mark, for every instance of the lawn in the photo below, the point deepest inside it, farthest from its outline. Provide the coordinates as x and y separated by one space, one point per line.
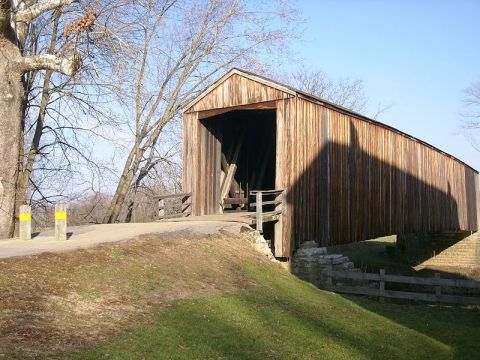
284 318
381 253
372 255
217 307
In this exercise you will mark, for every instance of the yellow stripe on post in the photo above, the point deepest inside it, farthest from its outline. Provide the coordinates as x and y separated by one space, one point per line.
61 215
25 224
25 217
60 222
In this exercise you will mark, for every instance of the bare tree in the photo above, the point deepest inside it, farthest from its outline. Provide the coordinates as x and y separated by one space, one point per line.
472 105
470 124
346 92
16 16
179 47
65 117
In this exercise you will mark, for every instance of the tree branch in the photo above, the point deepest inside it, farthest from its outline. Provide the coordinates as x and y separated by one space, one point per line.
37 9
67 67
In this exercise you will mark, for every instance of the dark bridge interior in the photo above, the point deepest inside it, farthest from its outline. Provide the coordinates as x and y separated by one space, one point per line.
248 142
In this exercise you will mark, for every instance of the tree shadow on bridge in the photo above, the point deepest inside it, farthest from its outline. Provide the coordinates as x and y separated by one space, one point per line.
347 194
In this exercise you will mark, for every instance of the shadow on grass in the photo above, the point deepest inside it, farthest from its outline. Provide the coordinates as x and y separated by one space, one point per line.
284 318
376 254
457 327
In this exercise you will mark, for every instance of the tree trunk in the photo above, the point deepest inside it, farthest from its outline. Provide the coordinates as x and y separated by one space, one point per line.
130 169
26 161
130 207
11 97
26 165
131 202
12 91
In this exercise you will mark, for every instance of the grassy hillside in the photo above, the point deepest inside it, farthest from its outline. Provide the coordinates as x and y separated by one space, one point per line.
373 255
208 298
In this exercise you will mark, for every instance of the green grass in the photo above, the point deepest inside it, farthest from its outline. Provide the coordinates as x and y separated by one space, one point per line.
207 298
371 255
281 317
381 253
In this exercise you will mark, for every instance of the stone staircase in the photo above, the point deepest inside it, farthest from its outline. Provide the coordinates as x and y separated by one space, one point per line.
310 263
464 254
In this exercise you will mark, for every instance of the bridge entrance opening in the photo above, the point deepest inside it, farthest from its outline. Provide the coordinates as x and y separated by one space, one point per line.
244 156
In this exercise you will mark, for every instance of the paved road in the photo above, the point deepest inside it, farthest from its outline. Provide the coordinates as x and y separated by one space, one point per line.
81 237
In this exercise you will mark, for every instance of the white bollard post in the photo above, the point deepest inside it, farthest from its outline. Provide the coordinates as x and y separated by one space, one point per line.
60 222
25 219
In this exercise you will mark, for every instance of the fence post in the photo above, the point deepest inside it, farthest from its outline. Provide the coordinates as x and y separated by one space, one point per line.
60 222
382 285
25 219
259 204
161 208
438 288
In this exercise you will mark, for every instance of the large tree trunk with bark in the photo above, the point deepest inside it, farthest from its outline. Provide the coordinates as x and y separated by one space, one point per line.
12 67
25 166
11 95
130 169
26 161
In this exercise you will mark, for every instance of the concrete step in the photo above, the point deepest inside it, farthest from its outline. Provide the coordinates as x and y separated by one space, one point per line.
340 260
311 251
322 260
309 244
347 265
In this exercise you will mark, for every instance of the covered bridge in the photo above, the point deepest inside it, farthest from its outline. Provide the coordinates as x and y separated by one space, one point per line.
346 178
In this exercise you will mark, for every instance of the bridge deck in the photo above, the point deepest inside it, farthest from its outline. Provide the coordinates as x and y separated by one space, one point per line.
233 216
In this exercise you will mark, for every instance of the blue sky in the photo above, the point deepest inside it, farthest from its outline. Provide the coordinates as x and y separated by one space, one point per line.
417 55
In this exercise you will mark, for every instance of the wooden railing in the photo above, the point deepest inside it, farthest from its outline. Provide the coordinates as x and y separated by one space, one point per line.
182 208
272 198
382 278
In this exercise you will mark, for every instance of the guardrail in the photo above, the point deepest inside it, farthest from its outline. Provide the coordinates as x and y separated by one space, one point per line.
182 208
382 278
276 201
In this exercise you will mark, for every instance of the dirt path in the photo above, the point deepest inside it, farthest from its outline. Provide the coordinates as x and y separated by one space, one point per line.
82 237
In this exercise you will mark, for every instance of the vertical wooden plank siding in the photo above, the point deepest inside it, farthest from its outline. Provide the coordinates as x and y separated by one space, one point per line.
384 182
347 179
190 158
304 140
237 90
208 172
201 169
284 167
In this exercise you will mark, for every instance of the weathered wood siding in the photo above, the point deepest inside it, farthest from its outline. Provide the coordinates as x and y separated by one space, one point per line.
347 178
304 174
384 182
201 171
190 156
237 90
201 148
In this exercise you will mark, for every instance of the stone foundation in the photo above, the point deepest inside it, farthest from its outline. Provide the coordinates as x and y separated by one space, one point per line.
310 263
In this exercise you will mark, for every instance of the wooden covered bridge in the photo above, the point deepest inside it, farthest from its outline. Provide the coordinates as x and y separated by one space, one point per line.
317 170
